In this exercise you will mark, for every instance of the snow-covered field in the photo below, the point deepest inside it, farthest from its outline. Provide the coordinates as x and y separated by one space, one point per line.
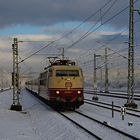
39 122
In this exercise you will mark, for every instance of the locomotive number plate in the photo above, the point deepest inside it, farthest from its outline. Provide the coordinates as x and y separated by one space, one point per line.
68 84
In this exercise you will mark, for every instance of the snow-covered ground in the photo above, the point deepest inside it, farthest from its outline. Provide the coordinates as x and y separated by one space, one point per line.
35 122
107 99
39 122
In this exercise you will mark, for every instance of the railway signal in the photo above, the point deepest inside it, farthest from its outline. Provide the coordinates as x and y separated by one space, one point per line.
123 112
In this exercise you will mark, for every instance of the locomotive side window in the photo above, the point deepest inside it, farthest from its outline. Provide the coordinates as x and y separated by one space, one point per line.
60 73
50 73
42 78
43 82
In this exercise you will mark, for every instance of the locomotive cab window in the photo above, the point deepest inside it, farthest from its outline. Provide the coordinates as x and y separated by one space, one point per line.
60 73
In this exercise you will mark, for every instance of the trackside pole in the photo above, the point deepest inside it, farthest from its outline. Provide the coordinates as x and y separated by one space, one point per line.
130 90
15 78
112 109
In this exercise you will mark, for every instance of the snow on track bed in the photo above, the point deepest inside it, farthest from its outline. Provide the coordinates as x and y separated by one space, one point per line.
107 99
105 115
35 122
80 126
113 94
122 125
129 111
103 131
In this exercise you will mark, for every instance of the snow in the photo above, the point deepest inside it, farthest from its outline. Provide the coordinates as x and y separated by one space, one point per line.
117 122
39 122
106 115
35 122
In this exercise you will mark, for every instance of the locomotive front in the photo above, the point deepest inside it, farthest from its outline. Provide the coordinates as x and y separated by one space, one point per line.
66 86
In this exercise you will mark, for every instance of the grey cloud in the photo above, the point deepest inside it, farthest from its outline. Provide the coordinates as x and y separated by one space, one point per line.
45 12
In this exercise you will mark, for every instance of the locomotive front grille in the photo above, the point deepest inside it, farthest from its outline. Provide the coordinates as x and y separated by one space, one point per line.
68 91
68 99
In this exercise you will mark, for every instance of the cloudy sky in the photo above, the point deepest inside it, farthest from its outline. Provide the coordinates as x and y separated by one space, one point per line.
81 27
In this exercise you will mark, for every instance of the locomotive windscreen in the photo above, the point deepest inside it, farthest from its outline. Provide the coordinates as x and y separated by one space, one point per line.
67 73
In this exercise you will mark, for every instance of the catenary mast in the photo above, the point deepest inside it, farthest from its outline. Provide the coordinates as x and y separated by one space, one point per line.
15 78
130 89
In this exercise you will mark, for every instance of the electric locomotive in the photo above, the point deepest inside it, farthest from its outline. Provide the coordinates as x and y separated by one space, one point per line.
61 84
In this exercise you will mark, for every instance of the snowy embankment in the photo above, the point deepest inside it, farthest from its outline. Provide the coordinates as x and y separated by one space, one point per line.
39 122
35 122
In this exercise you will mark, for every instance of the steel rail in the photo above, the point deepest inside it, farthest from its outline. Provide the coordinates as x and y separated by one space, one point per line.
136 97
45 101
77 124
111 127
99 104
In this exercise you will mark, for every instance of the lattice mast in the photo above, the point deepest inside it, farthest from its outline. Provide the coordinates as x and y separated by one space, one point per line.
130 89
15 78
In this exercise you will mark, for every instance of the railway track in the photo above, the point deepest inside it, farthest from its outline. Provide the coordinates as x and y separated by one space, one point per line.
116 90
80 126
92 126
99 129
131 109
109 106
74 122
3 90
112 94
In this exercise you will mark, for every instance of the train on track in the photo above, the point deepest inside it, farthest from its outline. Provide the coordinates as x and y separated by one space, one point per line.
61 84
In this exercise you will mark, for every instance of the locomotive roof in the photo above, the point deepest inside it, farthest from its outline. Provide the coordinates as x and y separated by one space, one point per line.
61 63
65 67
64 62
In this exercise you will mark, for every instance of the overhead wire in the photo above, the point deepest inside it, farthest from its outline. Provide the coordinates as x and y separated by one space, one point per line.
108 42
104 45
36 52
109 55
88 32
84 36
85 20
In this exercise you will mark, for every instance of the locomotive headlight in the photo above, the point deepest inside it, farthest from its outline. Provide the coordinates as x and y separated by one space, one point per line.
57 92
79 92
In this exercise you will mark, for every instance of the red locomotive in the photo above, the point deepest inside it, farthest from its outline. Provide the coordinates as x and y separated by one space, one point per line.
61 84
